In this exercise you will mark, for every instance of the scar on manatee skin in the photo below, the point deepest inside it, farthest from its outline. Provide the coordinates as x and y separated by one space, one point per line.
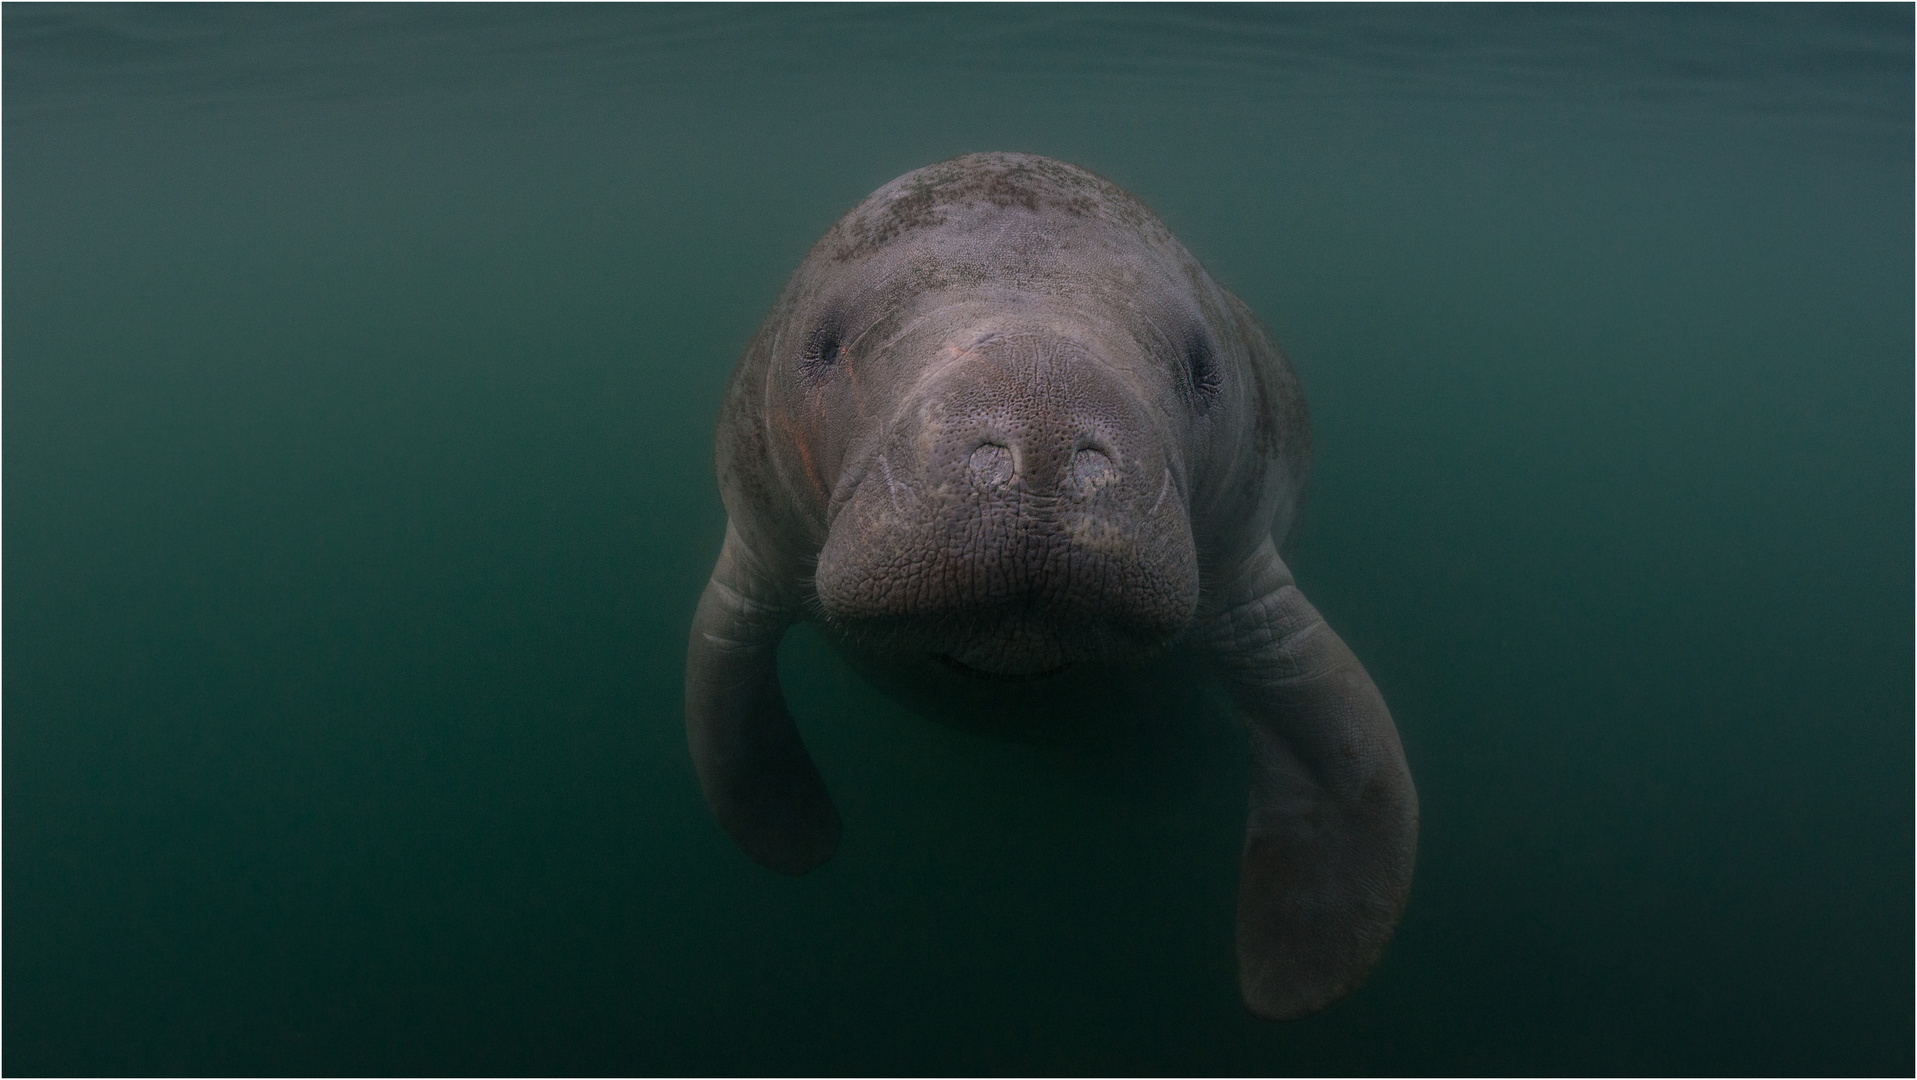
791 433
858 399
891 484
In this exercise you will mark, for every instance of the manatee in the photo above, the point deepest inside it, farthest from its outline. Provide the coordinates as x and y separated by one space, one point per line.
1001 434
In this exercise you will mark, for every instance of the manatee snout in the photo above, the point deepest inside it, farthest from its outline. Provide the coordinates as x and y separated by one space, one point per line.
1019 514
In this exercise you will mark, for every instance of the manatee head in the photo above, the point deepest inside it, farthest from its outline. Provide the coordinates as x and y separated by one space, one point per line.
1001 397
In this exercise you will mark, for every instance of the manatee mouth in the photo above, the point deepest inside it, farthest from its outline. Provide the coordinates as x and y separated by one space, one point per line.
970 672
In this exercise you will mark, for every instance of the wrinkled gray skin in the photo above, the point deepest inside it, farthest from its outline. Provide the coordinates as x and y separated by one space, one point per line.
1002 432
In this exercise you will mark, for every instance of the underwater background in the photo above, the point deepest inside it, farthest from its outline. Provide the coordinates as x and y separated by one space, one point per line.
360 374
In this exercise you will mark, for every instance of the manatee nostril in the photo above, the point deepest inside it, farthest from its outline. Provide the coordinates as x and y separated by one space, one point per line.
1092 470
992 465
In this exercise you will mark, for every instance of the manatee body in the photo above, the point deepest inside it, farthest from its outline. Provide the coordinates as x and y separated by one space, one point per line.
1003 434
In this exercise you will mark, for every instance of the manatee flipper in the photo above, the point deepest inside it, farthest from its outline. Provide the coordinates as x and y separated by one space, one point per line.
758 779
1333 829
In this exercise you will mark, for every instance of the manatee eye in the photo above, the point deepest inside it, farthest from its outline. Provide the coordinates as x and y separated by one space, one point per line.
1201 371
822 350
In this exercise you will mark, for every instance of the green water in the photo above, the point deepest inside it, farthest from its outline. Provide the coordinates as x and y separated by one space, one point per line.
360 370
